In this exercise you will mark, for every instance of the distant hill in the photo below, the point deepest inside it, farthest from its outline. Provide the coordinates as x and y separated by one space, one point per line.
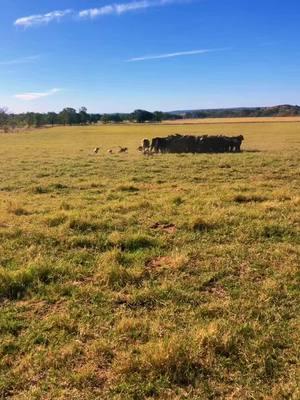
285 110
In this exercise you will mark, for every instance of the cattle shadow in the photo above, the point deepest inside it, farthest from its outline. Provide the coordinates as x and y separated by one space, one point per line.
251 151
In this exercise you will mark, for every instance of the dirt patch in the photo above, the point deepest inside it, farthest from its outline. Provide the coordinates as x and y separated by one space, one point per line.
218 290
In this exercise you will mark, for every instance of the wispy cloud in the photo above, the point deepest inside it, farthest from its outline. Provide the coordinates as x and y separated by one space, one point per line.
176 54
23 60
41 19
110 9
36 95
119 9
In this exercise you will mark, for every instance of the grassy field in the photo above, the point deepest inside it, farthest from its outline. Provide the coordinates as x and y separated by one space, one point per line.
128 277
223 121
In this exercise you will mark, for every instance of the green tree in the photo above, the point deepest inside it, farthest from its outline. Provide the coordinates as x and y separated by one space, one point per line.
116 118
105 119
68 116
141 116
30 119
3 116
39 120
52 118
83 116
158 116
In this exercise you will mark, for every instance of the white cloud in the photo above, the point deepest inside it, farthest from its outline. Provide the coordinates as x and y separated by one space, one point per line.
23 60
177 54
110 9
117 9
36 95
41 19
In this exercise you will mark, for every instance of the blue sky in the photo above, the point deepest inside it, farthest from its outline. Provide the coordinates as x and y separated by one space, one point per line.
153 54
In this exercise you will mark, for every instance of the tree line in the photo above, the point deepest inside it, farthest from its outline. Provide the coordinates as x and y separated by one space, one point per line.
70 116
276 111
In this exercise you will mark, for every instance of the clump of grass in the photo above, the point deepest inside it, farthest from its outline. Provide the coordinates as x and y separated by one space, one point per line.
173 261
65 206
15 284
114 273
198 224
40 190
114 256
83 225
83 242
274 231
87 375
115 238
58 186
144 204
145 297
180 358
9 188
132 242
241 198
56 221
118 276
134 329
283 196
103 350
224 165
150 297
17 210
177 201
89 240
9 324
176 359
128 188
138 242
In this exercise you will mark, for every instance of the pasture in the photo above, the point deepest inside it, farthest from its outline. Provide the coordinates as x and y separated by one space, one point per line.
224 121
129 277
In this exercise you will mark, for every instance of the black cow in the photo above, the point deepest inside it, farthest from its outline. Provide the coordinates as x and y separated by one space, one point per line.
196 144
235 143
158 145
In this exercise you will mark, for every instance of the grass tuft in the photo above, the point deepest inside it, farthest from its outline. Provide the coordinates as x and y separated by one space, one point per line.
241 198
174 359
40 190
56 221
177 201
16 284
17 210
200 225
128 188
138 242
274 231
83 225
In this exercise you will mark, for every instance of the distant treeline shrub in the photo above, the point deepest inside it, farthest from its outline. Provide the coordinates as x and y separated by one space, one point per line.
70 116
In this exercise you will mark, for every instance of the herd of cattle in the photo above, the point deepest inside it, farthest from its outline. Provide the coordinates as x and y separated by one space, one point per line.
192 144
185 144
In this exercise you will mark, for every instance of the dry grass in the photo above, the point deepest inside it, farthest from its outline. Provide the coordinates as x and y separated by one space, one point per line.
250 120
172 277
